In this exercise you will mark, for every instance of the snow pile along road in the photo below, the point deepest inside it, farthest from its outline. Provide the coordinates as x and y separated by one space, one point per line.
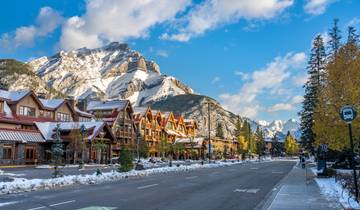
24 185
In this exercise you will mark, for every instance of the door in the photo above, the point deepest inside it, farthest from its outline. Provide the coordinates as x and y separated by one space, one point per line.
30 154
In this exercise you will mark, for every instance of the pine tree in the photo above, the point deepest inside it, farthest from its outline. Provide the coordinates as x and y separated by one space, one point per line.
125 160
219 130
335 39
353 37
317 75
260 142
237 131
277 146
144 149
57 151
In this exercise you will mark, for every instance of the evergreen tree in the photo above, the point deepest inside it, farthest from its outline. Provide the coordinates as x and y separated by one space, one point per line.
277 146
353 37
291 147
335 39
237 131
164 146
316 72
219 130
57 151
125 160
260 142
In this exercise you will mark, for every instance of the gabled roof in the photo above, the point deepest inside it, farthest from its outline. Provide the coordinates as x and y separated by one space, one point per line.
47 129
107 105
82 113
13 96
52 103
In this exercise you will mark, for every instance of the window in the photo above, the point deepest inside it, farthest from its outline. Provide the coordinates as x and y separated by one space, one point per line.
7 152
27 111
62 117
45 114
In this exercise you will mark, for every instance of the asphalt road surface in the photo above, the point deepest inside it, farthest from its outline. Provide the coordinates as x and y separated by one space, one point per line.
234 187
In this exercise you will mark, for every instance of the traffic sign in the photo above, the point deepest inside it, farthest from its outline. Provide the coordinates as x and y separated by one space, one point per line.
348 113
325 147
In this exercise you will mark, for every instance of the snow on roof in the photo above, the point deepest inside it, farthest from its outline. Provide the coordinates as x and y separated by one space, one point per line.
7 110
52 103
86 114
20 135
107 105
13 95
47 129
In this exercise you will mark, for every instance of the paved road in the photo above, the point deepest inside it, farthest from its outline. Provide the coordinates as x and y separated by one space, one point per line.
235 187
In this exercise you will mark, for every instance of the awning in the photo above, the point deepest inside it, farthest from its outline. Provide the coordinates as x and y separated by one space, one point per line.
22 136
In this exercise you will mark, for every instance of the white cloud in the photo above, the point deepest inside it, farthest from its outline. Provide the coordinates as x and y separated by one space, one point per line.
47 21
214 13
117 20
162 53
281 107
244 76
269 79
215 80
317 7
354 22
300 79
289 106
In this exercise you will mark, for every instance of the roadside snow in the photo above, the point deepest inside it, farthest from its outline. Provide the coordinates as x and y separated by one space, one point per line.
24 185
7 203
2 173
333 191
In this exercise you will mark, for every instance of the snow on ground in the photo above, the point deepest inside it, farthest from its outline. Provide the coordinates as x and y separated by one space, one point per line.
7 203
24 185
2 173
333 191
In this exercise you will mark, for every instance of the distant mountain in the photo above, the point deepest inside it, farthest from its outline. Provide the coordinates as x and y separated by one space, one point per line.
115 71
195 107
280 128
110 72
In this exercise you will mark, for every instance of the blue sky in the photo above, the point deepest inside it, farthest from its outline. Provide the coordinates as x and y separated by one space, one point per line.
249 55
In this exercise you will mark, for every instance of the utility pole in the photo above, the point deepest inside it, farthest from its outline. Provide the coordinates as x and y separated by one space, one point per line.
209 130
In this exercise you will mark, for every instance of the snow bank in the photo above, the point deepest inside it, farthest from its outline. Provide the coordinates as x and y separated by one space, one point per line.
333 191
24 185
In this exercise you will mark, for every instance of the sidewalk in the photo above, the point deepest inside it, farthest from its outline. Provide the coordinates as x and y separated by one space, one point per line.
293 193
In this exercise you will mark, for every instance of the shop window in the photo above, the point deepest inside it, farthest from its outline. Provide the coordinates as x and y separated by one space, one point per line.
30 153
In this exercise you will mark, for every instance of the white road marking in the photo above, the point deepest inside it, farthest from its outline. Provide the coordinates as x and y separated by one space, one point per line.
65 202
147 186
247 190
191 177
277 172
254 168
41 207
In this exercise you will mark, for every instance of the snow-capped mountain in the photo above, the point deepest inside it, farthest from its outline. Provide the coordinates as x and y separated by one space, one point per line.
280 128
113 71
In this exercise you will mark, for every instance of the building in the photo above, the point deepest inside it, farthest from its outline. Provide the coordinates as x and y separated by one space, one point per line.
83 141
118 115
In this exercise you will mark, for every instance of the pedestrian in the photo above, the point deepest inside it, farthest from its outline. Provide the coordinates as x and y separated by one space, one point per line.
302 162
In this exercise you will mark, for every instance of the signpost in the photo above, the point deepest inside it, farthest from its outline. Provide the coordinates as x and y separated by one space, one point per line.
348 114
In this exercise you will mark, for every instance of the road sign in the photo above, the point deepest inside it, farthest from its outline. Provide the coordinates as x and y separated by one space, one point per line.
325 147
348 113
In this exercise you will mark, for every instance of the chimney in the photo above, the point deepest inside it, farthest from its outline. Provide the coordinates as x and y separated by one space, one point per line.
81 104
